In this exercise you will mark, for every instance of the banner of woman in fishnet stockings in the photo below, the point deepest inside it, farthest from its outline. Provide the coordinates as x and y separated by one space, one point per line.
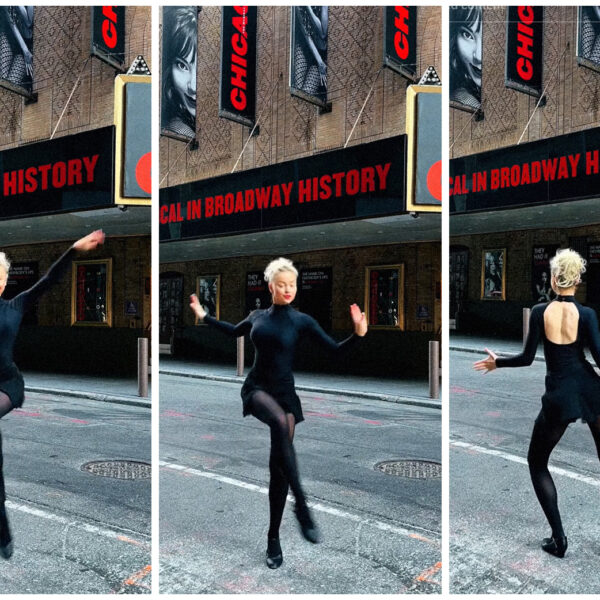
16 47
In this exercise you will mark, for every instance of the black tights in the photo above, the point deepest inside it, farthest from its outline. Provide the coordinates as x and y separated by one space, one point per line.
543 440
282 461
5 407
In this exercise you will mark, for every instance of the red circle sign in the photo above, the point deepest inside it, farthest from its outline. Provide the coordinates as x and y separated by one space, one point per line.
143 172
434 180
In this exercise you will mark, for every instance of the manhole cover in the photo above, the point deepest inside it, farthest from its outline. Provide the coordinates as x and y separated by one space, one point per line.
119 469
414 469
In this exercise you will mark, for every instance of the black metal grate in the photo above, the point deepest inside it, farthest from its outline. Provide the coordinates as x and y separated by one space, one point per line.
413 469
119 469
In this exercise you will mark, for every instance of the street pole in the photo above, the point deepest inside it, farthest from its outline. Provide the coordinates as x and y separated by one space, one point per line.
240 356
143 367
434 370
526 314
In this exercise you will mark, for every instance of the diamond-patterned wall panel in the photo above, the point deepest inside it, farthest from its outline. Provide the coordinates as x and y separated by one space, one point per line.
11 114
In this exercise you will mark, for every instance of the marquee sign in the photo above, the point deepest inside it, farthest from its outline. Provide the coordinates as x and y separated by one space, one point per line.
558 169
69 173
357 182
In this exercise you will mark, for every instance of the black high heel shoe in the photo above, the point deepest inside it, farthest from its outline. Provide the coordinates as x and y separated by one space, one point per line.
274 554
307 525
555 546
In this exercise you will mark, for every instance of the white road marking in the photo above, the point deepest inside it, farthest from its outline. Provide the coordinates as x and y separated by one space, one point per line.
594 481
88 527
336 512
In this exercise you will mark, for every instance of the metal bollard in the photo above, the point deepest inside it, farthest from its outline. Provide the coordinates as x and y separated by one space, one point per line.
240 356
434 370
143 367
526 315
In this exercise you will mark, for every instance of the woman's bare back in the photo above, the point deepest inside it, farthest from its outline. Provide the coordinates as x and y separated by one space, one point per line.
561 322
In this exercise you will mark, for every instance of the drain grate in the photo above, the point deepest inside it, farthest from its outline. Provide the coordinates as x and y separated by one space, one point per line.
119 469
413 469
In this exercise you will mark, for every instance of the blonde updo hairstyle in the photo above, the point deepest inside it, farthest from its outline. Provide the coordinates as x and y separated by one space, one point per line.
4 262
566 267
279 265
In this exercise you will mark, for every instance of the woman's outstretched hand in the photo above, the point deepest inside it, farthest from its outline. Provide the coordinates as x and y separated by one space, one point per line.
197 307
359 320
91 241
487 364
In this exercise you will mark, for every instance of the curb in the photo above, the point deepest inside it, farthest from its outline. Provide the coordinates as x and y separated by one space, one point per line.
480 351
126 400
410 401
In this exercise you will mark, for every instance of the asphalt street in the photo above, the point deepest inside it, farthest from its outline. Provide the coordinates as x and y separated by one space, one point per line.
381 533
73 531
496 523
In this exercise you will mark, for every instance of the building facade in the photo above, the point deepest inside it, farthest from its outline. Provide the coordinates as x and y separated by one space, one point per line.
62 150
346 249
523 174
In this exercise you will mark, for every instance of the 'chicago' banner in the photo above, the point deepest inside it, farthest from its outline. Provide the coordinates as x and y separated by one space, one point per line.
400 40
108 34
525 49
16 49
357 182
178 77
308 53
238 64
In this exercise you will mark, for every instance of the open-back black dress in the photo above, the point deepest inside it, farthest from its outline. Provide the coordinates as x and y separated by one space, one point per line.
572 385
275 333
11 315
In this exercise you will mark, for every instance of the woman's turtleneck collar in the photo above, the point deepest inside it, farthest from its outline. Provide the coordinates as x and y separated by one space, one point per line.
279 307
565 298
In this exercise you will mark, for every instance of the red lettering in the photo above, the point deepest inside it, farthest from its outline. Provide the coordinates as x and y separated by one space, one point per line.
262 197
59 174
352 182
304 191
32 183
10 183
524 69
525 14
209 206
74 171
325 187
400 37
164 214
109 31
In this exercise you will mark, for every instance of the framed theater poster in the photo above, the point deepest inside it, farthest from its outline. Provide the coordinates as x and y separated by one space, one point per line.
208 290
541 290
91 293
384 298
493 266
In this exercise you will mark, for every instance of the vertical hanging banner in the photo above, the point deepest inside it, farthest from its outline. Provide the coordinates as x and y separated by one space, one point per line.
308 54
400 40
178 75
238 65
525 49
465 57
108 34
16 49
588 36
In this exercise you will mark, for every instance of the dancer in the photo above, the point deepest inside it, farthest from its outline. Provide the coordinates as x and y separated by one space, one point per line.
268 392
11 381
572 385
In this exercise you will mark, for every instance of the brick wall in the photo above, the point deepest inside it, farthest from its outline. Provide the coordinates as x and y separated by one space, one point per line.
573 91
130 266
505 316
61 48
290 127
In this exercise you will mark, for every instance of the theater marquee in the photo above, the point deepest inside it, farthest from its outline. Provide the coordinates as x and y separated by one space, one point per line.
357 182
557 169
69 173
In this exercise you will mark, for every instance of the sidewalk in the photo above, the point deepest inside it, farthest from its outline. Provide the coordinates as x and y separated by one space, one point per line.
501 346
104 389
413 392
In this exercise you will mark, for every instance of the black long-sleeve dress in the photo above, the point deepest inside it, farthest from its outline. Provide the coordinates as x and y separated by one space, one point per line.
572 385
275 333
11 315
